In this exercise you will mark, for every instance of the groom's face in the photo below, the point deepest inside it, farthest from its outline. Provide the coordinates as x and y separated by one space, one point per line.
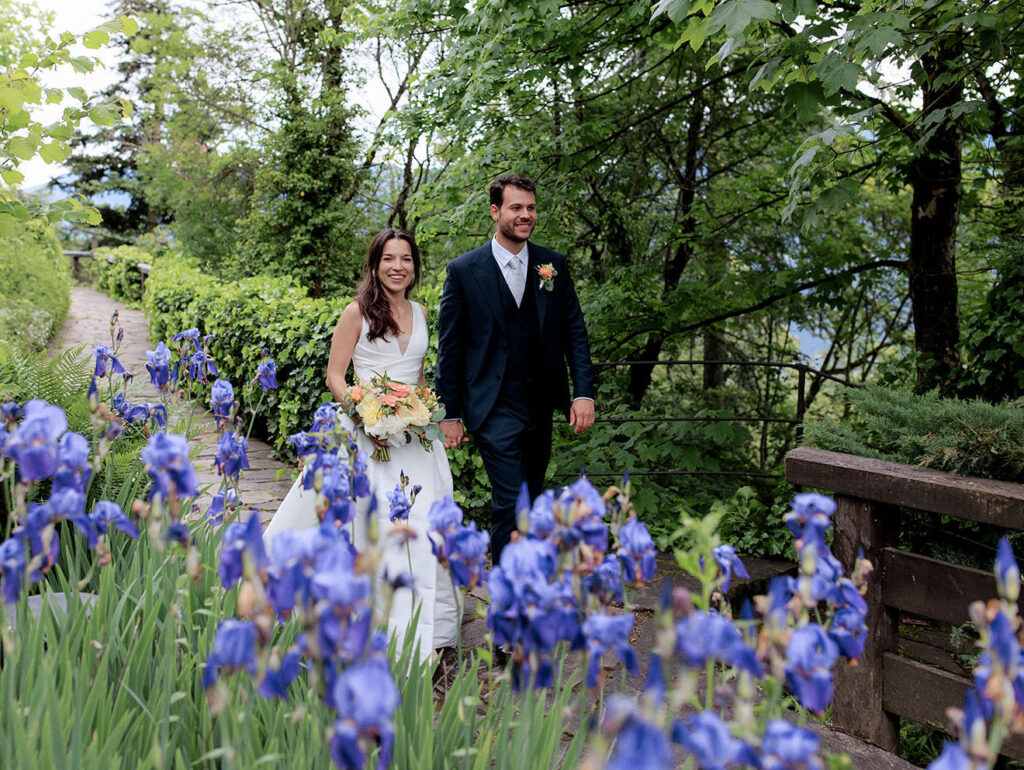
517 215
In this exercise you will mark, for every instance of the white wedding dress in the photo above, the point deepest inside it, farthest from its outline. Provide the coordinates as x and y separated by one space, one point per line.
432 592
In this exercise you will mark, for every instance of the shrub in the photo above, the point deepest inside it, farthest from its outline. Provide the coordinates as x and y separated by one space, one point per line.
245 317
972 438
34 286
115 272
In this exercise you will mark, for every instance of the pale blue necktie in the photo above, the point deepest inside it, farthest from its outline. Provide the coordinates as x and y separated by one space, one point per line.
515 278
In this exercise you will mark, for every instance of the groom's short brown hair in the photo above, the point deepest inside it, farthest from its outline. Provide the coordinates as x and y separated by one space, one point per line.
516 180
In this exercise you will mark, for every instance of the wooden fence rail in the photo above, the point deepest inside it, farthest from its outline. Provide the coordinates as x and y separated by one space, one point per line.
883 686
79 272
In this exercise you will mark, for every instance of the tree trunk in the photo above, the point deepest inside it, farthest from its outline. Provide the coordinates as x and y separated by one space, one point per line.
675 264
935 214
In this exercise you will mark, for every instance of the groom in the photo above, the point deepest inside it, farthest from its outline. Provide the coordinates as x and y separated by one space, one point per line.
508 324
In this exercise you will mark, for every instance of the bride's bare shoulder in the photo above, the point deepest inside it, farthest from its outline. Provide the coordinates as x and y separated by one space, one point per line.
351 317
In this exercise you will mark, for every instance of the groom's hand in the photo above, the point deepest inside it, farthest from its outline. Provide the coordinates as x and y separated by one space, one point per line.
581 415
454 433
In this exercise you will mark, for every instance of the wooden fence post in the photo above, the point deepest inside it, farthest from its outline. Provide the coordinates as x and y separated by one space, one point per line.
869 527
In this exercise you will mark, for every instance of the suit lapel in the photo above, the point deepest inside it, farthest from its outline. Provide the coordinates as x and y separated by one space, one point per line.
487 276
532 284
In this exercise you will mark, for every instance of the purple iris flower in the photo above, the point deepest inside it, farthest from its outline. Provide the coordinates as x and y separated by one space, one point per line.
953 757
636 550
240 540
12 568
231 457
189 335
200 365
215 513
365 697
399 504
222 398
277 680
605 581
444 515
38 532
107 514
810 656
584 493
318 468
786 746
529 560
73 471
524 611
138 413
234 648
34 443
336 488
167 463
608 633
73 451
730 564
325 417
638 743
177 533
701 636
158 363
93 395
542 515
106 362
68 503
1007 572
849 631
1003 642
811 514
304 444
708 739
10 412
266 373
465 551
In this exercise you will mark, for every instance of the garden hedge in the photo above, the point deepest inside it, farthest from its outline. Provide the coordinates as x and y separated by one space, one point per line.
35 286
245 317
115 272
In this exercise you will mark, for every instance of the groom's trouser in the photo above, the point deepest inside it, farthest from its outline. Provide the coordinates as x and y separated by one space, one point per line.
515 447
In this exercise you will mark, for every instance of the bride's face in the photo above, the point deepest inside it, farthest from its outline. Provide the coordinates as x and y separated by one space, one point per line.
397 268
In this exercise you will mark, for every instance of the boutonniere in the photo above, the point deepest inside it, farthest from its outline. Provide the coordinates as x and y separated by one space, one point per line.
547 275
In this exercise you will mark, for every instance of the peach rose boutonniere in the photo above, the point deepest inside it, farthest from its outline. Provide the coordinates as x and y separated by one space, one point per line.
547 275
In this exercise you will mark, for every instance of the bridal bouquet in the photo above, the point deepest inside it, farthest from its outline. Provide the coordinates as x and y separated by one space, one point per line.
395 413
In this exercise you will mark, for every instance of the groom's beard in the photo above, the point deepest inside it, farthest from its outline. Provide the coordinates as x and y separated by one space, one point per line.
508 229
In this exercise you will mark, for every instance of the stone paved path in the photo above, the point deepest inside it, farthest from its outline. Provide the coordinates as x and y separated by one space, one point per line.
88 324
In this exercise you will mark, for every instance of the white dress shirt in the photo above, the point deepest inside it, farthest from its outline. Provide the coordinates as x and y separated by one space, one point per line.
513 268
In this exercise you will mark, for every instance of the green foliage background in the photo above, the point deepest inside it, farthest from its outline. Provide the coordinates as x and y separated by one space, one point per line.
34 286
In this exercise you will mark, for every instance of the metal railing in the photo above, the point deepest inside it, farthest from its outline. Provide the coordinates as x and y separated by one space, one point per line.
802 370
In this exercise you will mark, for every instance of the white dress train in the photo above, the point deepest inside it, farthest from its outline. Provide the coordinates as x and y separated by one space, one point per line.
432 592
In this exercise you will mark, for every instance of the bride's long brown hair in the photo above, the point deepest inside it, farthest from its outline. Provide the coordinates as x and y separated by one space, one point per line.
373 302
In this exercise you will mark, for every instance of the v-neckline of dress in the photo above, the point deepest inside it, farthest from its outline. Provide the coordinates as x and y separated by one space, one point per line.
412 331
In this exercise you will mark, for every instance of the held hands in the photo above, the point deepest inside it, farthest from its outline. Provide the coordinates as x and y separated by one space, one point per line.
454 433
581 415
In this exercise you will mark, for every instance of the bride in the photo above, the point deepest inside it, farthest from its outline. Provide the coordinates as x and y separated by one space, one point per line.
383 331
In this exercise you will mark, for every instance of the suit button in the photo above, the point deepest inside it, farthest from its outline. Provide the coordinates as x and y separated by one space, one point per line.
497 378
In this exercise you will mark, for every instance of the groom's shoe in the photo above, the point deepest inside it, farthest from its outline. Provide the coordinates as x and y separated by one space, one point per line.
502 656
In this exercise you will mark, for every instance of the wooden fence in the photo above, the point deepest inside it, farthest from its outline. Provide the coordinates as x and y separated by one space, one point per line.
79 273
884 685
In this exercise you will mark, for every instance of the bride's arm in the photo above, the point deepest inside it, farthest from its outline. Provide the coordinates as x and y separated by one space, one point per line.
346 334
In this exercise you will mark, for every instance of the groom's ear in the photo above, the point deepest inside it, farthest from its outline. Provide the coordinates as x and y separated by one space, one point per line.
494 212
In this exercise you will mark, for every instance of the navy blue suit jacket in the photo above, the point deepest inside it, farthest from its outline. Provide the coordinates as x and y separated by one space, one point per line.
472 342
